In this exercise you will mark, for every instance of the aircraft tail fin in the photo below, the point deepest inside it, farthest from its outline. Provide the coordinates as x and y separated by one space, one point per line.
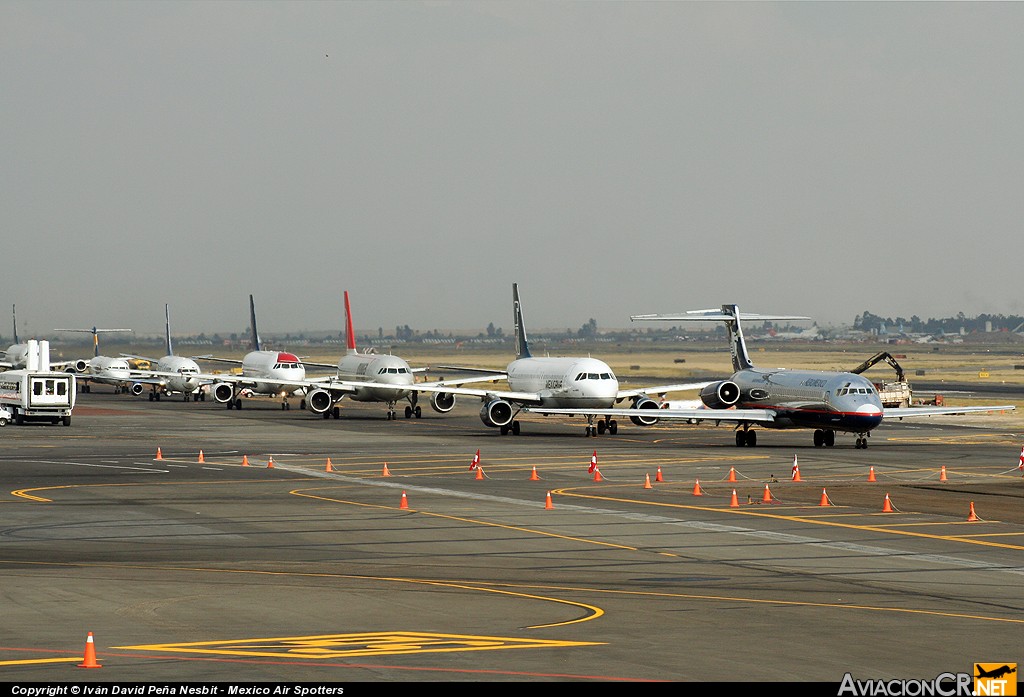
14 316
350 336
522 344
731 315
167 330
257 345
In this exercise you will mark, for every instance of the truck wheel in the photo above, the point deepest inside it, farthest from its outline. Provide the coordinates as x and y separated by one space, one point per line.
67 420
3 422
19 419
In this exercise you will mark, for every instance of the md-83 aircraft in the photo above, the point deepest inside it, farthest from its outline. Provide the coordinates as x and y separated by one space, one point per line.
574 385
172 374
826 402
102 370
264 372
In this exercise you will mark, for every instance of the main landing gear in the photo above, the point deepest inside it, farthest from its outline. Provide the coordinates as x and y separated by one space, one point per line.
826 437
746 437
605 425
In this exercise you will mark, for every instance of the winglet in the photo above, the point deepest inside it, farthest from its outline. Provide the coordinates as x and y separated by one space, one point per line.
522 344
256 344
350 336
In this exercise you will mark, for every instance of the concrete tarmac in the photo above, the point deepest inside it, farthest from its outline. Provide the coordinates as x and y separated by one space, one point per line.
200 544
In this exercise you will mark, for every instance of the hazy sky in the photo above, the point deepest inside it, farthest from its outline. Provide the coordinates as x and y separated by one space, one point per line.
613 158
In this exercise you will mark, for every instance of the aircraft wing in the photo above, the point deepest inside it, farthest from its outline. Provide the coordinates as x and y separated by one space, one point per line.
756 416
661 390
911 412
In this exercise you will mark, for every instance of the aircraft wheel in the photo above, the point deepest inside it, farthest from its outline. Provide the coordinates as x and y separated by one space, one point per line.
741 439
238 403
152 396
515 428
336 412
819 438
601 426
613 427
504 430
327 415
302 404
284 405
408 412
229 404
830 438
418 412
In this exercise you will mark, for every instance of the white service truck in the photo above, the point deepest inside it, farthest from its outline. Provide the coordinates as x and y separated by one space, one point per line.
36 393
36 396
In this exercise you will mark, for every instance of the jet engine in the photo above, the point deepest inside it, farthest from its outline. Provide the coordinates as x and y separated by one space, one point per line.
496 413
644 403
223 392
79 366
442 402
319 401
137 388
720 395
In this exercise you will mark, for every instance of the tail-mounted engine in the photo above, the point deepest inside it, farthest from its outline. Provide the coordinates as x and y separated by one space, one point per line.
319 401
644 403
496 413
442 402
720 395
223 392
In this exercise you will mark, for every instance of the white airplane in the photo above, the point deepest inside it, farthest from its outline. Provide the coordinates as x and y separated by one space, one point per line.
781 398
102 370
263 372
172 375
575 385
368 377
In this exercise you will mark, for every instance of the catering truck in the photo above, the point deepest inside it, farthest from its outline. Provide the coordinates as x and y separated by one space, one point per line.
36 393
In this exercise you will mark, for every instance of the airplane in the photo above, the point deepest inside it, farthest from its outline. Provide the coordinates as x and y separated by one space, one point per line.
103 370
825 401
368 377
172 375
995 672
571 385
263 372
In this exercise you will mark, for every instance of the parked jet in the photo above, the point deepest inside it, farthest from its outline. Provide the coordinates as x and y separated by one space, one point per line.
263 372
172 375
572 385
103 370
825 401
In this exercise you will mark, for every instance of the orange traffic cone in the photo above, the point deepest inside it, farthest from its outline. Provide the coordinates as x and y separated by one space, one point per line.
597 475
647 481
657 477
405 501
547 504
696 489
871 474
824 499
385 473
796 470
972 517
159 455
732 474
89 661
767 498
329 467
887 506
734 502
942 475
245 460
479 472
533 475
270 462
201 458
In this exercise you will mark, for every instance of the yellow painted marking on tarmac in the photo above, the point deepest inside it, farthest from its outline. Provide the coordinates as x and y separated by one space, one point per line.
800 519
23 493
33 661
358 645
487 586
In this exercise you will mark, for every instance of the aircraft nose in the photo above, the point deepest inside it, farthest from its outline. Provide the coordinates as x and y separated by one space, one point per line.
869 410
